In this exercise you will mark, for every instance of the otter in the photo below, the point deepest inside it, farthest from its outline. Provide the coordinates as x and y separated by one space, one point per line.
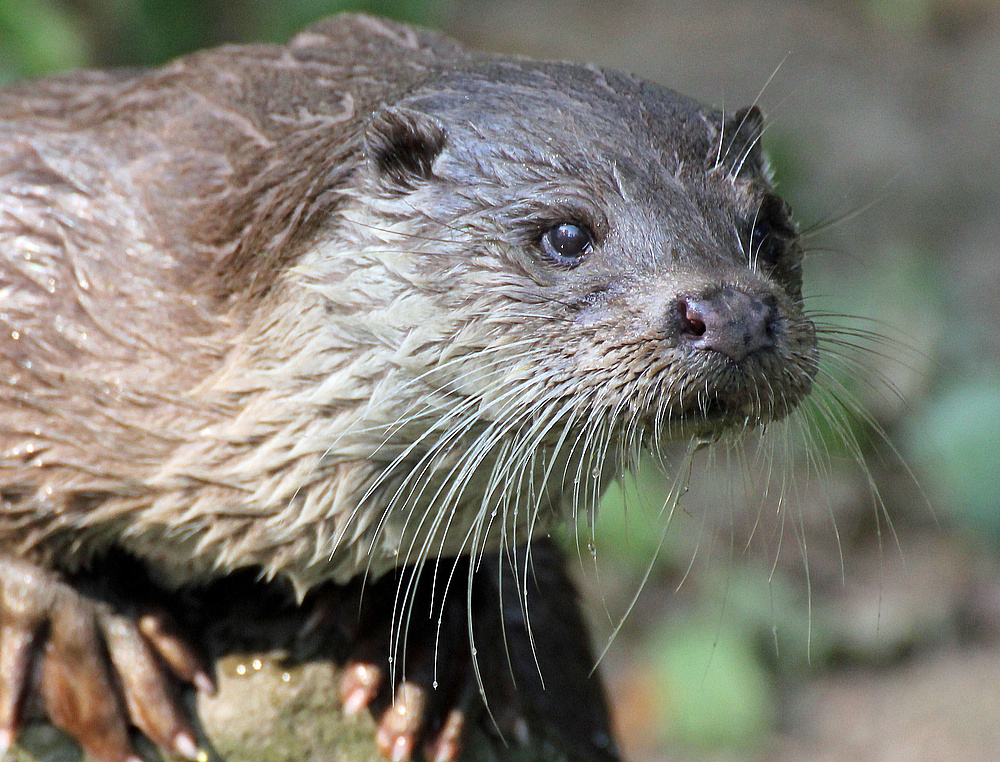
330 309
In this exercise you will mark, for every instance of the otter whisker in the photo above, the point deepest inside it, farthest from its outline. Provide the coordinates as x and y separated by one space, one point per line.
670 504
457 413
456 481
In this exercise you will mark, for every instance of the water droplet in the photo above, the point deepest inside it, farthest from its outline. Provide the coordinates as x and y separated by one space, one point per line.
434 685
596 472
241 669
473 651
257 664
286 677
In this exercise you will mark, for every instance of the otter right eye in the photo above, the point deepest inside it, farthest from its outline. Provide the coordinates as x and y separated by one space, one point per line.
566 243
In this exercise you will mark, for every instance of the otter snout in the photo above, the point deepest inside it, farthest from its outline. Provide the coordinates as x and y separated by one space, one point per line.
729 321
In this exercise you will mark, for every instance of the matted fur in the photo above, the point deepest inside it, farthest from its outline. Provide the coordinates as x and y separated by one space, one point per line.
283 306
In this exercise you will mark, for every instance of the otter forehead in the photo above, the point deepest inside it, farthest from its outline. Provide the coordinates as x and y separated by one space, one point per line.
624 155
529 109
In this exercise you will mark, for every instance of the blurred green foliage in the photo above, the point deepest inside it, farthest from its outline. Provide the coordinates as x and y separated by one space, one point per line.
38 37
727 624
42 36
956 441
900 15
713 691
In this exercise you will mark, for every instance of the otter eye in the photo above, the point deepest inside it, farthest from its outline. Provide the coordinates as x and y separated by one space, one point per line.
764 246
566 243
770 231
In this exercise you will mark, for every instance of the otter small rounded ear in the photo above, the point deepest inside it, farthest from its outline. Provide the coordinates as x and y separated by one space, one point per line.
741 134
402 146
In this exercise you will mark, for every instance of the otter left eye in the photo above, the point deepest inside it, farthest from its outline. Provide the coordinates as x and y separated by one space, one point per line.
764 247
566 243
769 232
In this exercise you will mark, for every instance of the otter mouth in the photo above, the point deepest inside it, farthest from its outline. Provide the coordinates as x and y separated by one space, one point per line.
737 401
762 387
717 414
713 417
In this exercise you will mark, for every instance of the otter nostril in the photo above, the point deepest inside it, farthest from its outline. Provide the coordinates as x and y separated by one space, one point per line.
692 322
729 321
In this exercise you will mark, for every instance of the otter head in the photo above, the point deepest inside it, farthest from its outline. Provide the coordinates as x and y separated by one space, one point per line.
576 264
624 243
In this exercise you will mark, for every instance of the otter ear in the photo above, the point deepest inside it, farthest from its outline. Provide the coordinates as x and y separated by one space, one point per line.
741 133
402 146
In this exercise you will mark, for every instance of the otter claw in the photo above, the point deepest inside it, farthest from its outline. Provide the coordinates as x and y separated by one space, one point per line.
160 630
409 719
446 746
93 671
149 695
359 685
402 723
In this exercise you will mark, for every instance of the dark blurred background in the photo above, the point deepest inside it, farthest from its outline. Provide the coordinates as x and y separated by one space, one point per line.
834 595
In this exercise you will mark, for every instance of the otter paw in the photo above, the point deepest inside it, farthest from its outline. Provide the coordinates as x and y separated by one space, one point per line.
91 669
519 663
416 680
420 711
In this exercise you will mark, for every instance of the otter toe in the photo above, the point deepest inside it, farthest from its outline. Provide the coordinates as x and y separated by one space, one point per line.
162 633
92 669
79 695
150 695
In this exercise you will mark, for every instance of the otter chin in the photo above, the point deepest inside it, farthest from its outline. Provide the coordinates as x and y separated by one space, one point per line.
364 300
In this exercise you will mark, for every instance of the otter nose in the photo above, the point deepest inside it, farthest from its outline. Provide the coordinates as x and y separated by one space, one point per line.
728 321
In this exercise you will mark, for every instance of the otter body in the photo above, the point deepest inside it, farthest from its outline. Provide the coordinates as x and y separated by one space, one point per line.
368 298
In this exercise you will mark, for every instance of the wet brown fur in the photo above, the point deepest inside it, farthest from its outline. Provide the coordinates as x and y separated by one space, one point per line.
282 306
